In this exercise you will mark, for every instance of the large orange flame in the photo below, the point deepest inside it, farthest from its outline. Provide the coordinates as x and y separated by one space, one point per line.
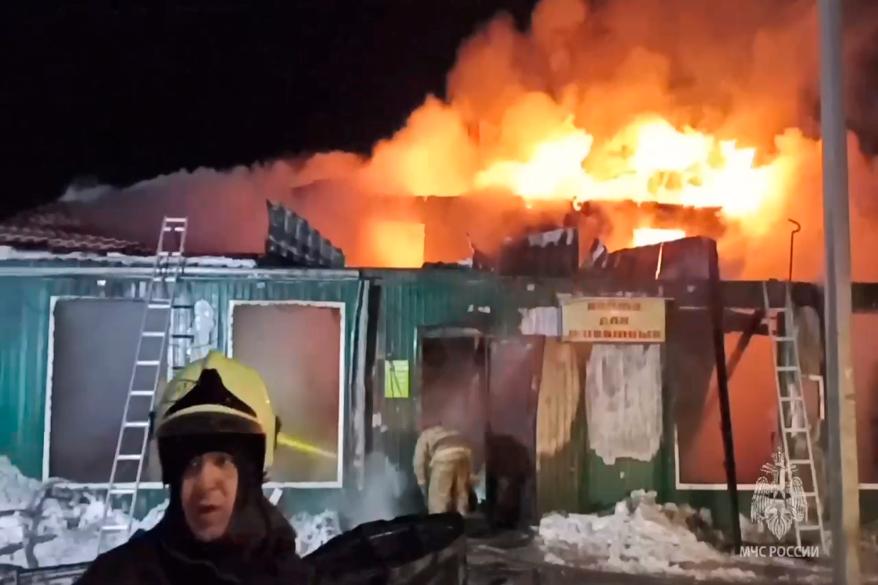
648 160
620 103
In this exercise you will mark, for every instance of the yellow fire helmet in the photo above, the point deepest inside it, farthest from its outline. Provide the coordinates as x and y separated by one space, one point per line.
218 395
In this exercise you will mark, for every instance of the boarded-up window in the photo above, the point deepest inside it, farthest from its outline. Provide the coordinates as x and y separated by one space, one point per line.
93 345
298 349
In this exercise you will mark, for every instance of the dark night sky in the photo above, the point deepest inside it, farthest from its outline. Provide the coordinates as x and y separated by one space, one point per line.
124 93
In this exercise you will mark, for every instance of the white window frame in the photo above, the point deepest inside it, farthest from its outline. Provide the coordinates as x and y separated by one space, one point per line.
341 306
47 415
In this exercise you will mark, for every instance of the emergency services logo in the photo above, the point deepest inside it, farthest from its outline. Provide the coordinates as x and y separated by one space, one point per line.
778 500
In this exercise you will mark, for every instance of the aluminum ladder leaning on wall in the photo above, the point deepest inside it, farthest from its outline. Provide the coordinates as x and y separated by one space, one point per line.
155 329
792 411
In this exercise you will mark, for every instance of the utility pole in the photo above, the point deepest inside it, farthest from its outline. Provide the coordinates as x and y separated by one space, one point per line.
844 490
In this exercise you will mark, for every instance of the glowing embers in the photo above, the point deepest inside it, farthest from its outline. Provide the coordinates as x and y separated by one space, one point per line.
649 236
396 244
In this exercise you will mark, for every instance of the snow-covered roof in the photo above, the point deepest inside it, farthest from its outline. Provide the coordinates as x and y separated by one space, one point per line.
54 228
8 253
41 263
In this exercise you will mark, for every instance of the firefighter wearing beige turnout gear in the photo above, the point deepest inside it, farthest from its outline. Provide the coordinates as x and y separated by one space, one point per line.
443 467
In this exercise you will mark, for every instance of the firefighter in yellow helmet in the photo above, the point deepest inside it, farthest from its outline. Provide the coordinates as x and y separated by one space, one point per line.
216 434
443 469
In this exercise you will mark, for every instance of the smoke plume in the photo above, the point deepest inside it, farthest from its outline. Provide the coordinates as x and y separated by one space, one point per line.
580 77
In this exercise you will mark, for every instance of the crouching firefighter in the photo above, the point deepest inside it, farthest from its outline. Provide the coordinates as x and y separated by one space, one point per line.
443 469
216 434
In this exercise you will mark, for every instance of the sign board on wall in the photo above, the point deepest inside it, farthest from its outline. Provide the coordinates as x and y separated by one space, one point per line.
613 320
396 379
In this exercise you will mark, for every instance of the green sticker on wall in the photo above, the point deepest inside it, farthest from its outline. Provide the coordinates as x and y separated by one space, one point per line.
396 379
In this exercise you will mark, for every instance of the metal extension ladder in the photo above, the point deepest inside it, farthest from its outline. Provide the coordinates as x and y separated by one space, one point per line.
792 410
134 430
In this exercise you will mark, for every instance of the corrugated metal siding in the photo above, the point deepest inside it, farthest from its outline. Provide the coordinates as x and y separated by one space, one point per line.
24 327
562 440
24 337
410 301
575 480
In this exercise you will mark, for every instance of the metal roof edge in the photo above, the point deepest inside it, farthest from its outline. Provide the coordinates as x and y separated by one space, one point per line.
111 271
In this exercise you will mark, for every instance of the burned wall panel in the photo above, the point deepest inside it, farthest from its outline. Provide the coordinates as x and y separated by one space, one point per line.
514 376
752 396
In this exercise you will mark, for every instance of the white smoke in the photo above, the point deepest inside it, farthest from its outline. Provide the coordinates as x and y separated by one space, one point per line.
380 499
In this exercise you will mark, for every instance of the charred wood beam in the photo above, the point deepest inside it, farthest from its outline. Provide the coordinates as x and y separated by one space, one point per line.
744 341
739 294
716 307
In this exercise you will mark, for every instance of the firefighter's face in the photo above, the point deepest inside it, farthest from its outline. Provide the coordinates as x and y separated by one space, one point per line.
210 485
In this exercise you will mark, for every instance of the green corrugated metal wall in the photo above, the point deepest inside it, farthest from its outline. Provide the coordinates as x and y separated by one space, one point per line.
410 300
24 339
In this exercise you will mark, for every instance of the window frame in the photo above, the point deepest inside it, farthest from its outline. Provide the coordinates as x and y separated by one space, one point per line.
47 414
341 306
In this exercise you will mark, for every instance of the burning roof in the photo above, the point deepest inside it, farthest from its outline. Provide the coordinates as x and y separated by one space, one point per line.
664 119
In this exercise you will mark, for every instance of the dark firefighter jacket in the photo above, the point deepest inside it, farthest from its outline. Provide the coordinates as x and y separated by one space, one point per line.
165 556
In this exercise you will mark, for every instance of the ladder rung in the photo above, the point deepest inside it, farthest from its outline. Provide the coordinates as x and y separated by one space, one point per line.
142 392
114 527
810 527
121 491
159 305
136 424
148 363
795 429
176 254
129 457
153 334
176 219
787 368
800 462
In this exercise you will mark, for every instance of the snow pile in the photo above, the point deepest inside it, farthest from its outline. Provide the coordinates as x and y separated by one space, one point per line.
16 490
312 532
43 525
640 536
152 517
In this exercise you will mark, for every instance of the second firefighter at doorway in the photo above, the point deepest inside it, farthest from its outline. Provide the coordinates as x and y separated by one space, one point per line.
443 469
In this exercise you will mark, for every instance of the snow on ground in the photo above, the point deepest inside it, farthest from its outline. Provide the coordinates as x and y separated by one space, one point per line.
16 490
66 527
312 532
640 536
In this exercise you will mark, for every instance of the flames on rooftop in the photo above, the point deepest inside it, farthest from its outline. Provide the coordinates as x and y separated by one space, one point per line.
652 120
608 105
